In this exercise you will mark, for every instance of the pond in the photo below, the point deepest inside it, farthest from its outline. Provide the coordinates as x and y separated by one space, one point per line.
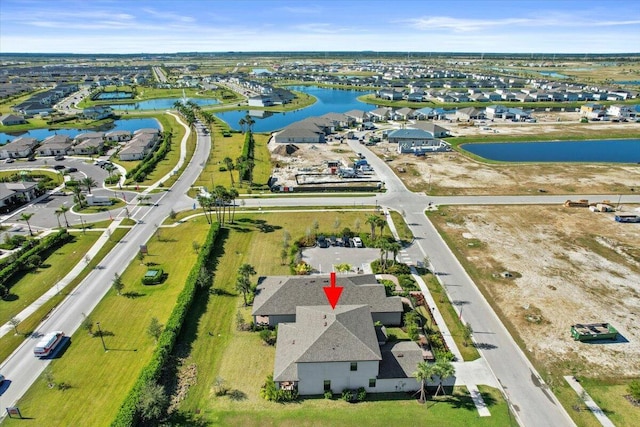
554 74
124 124
327 101
601 151
162 104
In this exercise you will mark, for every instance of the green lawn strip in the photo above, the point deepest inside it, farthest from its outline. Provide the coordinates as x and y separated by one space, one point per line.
10 342
117 204
29 286
191 148
456 328
377 410
95 395
610 394
401 226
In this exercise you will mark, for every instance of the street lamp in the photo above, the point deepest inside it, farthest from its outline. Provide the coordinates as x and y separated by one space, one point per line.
101 338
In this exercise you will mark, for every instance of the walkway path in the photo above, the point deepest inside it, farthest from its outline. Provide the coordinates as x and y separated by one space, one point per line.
593 406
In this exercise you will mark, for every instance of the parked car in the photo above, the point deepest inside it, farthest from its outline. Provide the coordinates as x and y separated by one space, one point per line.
333 240
357 242
9 160
322 242
58 167
346 242
58 158
70 170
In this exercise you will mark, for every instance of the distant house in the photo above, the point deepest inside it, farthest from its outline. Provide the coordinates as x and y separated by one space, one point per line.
18 148
390 94
97 113
293 135
358 116
88 146
11 119
260 101
143 142
118 136
339 120
435 130
278 296
404 113
380 114
55 145
470 113
620 111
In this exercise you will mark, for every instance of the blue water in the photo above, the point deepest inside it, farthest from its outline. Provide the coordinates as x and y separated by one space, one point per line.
115 95
628 82
614 151
161 104
125 124
328 101
553 74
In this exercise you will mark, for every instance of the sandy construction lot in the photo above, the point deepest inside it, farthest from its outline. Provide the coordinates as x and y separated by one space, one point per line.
569 266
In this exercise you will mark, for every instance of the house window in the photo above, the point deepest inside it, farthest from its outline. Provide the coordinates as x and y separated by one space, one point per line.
354 366
327 385
372 382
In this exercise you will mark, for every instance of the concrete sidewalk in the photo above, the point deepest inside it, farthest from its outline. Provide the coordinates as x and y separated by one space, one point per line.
55 289
593 406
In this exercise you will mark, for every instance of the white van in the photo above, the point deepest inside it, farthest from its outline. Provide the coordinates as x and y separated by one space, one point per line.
48 343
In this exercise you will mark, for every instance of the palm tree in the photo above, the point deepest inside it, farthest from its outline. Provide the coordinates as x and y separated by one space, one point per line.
233 195
26 217
444 369
220 195
372 221
383 244
243 285
77 192
109 167
381 223
88 182
394 247
424 371
242 122
205 203
246 270
63 210
249 122
229 163
58 213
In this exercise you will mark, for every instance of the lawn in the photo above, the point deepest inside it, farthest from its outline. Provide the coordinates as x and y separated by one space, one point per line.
231 147
610 396
95 395
29 286
10 342
403 230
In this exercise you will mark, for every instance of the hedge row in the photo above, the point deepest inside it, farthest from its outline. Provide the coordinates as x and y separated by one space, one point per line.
247 154
127 415
20 264
147 165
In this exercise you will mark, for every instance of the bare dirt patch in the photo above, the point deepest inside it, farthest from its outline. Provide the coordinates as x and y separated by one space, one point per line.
569 266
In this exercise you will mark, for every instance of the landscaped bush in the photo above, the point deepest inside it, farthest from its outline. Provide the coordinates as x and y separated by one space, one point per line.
407 282
128 415
634 389
270 392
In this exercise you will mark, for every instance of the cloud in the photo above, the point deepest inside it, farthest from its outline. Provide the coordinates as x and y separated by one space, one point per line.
168 16
301 10
468 25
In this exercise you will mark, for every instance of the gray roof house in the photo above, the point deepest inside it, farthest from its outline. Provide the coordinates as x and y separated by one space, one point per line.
19 147
277 297
358 115
143 142
55 145
11 119
335 349
436 131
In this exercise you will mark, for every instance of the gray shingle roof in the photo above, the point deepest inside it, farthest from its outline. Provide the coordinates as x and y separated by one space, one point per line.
399 359
321 334
280 295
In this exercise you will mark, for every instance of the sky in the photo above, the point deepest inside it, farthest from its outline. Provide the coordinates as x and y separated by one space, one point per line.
163 26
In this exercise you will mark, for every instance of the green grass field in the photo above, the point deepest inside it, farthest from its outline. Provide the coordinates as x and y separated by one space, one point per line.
610 396
10 342
95 395
28 286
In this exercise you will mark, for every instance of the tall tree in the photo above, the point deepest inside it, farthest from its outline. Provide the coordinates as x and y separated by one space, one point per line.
424 372
249 122
243 285
152 403
88 182
79 198
233 195
242 122
26 217
63 210
205 204
229 164
381 223
154 329
117 284
444 369
372 221
395 248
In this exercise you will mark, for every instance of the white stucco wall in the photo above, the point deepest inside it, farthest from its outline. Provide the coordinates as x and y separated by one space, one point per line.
313 375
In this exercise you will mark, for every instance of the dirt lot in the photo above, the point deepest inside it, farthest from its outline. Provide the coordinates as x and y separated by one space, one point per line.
569 266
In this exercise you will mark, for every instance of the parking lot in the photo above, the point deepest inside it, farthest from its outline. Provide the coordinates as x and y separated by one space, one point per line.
323 260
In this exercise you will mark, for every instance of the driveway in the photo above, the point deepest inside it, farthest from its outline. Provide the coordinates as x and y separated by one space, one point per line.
323 259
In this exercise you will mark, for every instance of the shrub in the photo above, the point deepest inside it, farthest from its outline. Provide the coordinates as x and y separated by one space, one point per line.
361 394
347 395
328 395
634 389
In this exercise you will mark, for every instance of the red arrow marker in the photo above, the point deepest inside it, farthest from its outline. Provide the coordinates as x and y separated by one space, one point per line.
333 292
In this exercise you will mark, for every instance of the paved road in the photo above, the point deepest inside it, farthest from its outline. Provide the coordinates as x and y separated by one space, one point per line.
22 368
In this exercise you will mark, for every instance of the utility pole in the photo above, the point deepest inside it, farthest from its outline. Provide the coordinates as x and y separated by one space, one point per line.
101 338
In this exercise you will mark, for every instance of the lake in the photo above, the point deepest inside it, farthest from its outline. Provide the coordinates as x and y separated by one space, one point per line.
124 124
162 104
601 151
114 95
327 101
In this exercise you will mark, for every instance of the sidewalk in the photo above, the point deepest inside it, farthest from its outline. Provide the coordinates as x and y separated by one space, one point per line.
593 406
55 289
467 373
